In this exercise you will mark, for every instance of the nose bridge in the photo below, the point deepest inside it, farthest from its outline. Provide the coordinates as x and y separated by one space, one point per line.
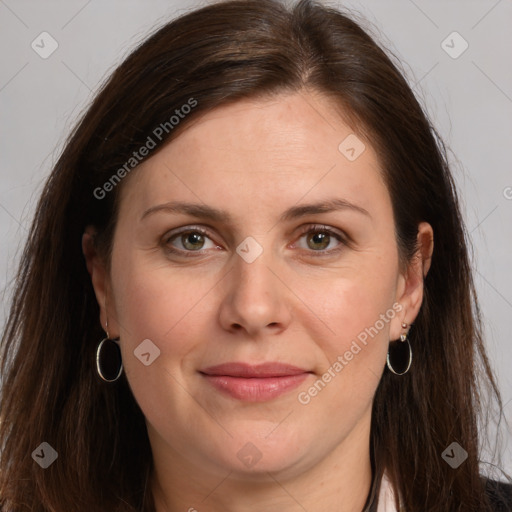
254 298
252 275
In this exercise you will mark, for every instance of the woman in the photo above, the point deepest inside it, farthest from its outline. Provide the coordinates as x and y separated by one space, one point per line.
247 287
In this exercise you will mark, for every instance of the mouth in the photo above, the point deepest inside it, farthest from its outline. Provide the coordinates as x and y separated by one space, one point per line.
254 383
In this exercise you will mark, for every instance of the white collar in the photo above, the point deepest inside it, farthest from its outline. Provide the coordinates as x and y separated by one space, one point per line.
386 496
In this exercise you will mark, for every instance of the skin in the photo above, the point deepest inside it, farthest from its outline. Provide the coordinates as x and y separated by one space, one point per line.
255 159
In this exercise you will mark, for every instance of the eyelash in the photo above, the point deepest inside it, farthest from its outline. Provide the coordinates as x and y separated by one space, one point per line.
315 228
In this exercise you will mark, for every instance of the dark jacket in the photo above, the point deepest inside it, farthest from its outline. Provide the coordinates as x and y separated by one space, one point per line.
500 495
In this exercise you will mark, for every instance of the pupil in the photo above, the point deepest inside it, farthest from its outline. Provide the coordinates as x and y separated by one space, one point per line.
192 240
321 238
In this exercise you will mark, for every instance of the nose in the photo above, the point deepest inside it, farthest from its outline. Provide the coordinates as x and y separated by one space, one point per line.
255 299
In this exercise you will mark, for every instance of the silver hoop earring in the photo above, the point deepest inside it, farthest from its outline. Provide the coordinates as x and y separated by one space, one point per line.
398 359
109 363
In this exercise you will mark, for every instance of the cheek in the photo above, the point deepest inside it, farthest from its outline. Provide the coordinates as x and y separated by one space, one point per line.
164 307
358 302
358 307
151 304
358 312
158 304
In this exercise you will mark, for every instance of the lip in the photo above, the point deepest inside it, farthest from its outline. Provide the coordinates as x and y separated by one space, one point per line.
254 383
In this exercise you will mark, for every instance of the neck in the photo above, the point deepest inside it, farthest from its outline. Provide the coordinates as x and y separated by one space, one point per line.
339 481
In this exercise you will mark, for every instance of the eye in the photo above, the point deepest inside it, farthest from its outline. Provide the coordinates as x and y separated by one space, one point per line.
322 239
189 240
192 240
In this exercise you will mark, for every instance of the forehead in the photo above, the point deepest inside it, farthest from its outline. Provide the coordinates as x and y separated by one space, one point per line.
269 150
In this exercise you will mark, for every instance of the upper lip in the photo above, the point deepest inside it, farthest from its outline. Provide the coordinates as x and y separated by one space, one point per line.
245 370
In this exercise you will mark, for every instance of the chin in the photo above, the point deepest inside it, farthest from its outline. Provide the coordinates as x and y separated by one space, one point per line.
255 453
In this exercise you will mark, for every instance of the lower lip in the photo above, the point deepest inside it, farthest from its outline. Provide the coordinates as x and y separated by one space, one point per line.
256 389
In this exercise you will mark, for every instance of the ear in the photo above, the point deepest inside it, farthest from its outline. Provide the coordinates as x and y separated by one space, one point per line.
410 282
100 278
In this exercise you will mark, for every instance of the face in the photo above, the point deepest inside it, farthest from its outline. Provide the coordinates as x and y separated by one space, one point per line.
254 323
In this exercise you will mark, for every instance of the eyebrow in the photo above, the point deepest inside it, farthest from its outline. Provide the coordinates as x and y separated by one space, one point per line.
208 212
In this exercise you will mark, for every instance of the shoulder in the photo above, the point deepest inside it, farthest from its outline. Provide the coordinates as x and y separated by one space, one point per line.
500 495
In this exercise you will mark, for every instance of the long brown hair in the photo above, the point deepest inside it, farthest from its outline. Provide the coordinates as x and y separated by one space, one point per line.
217 55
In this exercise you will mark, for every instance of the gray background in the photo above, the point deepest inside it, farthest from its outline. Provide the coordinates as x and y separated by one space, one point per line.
469 99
